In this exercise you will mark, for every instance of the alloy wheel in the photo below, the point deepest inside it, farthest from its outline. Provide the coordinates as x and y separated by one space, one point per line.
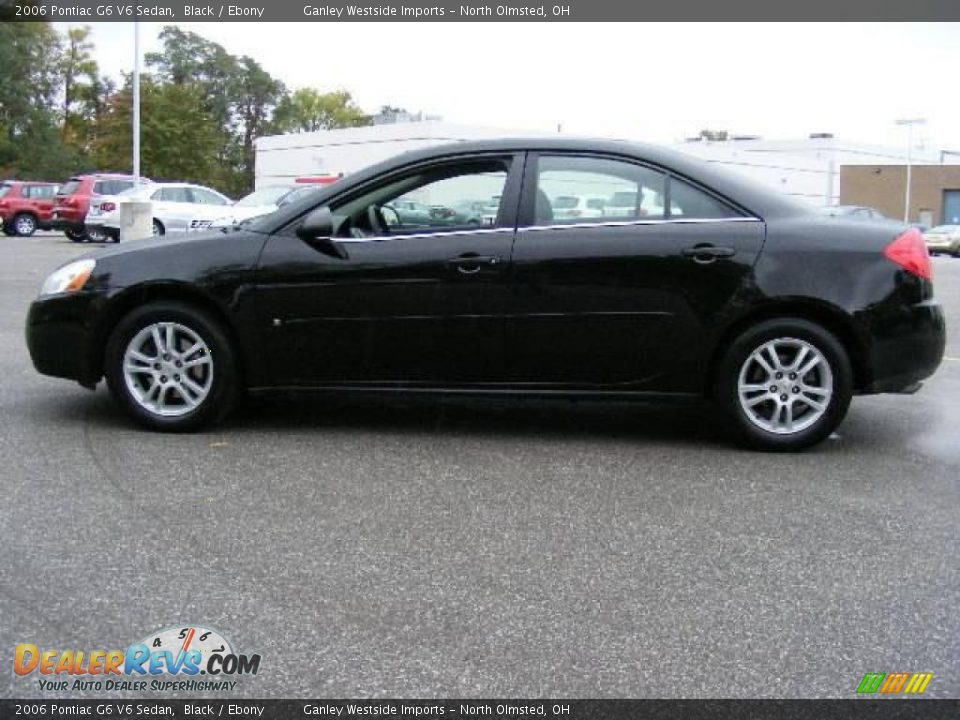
168 369
24 225
785 386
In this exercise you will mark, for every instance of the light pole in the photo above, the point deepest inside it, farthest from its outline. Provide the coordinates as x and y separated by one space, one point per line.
136 104
909 122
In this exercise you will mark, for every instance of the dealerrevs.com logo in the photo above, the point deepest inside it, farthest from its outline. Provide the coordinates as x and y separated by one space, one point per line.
173 659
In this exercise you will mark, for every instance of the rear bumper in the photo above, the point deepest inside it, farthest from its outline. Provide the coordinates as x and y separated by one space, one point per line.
60 223
909 348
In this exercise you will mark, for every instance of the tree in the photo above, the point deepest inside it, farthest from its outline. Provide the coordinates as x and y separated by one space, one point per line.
178 138
30 85
308 110
257 93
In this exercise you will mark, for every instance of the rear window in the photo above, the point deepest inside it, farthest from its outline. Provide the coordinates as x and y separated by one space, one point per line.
70 187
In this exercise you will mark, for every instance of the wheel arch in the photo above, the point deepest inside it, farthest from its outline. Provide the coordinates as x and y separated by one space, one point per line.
830 317
133 297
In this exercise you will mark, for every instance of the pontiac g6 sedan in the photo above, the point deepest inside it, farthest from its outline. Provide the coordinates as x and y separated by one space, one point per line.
703 285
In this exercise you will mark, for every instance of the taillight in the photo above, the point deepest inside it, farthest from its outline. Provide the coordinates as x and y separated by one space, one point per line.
909 251
108 206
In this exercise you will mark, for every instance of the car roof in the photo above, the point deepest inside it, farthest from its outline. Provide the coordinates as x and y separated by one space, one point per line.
751 195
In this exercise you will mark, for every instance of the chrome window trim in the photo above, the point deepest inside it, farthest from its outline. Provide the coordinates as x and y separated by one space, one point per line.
563 226
414 236
629 223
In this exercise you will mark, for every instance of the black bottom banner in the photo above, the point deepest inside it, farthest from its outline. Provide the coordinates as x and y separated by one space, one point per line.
472 709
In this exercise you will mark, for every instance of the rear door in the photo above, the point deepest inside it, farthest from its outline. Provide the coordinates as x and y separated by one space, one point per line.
621 301
397 298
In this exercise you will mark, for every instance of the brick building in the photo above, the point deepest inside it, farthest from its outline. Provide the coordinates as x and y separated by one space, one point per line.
934 191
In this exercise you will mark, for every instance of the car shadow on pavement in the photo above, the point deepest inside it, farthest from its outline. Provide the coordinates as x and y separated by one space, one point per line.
685 423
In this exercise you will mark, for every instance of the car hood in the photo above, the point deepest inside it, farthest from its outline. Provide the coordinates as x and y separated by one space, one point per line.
174 242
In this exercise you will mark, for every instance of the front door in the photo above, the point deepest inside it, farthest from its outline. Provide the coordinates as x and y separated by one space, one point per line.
409 291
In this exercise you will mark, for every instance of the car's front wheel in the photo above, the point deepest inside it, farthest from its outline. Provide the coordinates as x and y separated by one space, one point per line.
787 383
172 367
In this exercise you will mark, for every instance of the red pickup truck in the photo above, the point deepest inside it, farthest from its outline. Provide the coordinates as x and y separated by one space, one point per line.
26 207
77 194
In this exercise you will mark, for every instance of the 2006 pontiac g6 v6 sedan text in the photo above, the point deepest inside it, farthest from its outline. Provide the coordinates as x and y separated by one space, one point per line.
691 282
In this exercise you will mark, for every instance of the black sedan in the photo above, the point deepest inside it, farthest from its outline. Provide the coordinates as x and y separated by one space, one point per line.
705 285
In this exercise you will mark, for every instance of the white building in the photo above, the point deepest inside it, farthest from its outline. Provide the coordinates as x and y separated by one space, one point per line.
283 158
808 168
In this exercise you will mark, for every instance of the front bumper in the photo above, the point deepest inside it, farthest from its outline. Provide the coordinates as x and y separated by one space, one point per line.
908 348
60 338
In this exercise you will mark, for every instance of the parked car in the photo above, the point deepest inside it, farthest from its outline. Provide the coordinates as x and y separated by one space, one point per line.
854 212
734 292
943 239
75 197
26 207
578 206
260 202
176 207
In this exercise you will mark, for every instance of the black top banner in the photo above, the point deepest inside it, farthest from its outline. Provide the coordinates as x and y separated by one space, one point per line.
470 11
475 709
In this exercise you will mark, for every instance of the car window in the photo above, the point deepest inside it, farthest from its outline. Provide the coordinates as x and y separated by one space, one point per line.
4 189
41 191
205 197
70 187
175 194
689 202
632 191
432 200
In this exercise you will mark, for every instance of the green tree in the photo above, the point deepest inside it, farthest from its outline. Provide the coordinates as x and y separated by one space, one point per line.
30 85
307 110
178 139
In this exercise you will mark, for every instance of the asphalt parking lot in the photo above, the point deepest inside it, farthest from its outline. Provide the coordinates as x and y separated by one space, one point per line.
481 549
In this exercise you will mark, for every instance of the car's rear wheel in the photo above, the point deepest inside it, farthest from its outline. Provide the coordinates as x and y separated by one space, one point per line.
158 228
787 383
97 235
77 236
172 367
24 225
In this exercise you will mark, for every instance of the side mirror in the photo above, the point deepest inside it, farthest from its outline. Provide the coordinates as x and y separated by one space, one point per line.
317 231
317 225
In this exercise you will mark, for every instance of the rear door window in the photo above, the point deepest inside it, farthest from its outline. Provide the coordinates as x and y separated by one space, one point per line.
688 202
631 191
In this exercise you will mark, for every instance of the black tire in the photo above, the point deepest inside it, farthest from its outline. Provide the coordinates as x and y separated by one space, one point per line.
97 235
224 386
77 236
804 331
23 225
158 228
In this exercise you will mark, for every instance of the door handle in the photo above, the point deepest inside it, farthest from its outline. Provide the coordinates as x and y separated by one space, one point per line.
471 264
706 253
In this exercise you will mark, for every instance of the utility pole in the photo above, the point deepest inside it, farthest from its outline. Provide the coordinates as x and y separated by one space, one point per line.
136 104
909 122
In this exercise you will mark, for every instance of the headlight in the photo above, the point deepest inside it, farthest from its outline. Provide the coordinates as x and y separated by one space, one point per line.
69 278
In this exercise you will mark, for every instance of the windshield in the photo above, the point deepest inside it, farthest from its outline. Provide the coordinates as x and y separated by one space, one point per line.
263 196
